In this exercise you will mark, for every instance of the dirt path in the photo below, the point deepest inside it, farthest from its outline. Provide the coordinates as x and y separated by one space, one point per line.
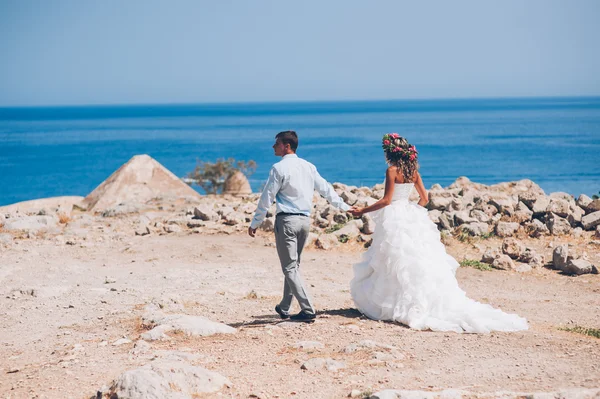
62 308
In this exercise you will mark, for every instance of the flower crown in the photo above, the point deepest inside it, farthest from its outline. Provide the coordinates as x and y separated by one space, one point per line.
391 143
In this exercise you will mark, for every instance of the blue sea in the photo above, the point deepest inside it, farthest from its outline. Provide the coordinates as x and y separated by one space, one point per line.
56 151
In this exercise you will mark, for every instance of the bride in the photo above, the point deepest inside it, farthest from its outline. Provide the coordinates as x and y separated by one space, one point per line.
406 275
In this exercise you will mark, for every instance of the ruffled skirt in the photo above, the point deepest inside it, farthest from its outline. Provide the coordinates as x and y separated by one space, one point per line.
406 276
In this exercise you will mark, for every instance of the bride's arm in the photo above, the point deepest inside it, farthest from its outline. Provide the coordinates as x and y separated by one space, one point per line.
390 177
421 190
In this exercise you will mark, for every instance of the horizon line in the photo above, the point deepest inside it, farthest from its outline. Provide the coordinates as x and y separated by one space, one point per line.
221 103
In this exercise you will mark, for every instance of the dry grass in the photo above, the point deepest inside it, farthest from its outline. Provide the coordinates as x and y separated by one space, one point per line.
63 218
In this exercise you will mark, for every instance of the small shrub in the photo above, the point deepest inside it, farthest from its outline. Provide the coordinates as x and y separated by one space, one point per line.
592 332
343 238
475 264
464 236
333 228
63 218
211 176
487 236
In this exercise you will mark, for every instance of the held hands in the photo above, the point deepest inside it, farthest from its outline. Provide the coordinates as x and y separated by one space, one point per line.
356 211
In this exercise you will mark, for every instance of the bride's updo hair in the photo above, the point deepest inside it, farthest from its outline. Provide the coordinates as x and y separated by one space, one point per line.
401 154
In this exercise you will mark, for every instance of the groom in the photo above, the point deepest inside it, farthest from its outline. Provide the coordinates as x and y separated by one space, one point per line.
291 184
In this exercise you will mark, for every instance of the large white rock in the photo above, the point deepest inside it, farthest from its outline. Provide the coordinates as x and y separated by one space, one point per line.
163 379
31 223
139 180
190 325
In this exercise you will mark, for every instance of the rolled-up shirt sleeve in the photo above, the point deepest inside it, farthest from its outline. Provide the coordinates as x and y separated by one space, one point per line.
327 191
267 198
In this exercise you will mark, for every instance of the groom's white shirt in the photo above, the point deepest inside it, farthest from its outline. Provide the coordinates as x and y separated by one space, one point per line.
292 182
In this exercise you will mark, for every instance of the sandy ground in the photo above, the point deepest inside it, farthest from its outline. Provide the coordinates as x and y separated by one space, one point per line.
62 307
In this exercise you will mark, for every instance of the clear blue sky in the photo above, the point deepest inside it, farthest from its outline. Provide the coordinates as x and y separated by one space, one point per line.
191 51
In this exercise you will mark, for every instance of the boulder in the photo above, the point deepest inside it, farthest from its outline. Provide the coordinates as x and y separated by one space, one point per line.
490 255
476 228
321 363
512 248
368 224
434 216
139 180
327 241
206 213
349 198
558 225
591 220
503 262
583 202
506 229
30 223
528 198
593 206
560 257
166 379
580 266
237 184
539 206
559 207
480 215
439 202
575 215
537 228
504 206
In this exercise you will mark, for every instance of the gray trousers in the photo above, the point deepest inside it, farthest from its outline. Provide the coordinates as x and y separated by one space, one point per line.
291 232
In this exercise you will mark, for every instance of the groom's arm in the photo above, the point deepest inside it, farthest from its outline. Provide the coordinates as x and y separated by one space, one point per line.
266 199
327 191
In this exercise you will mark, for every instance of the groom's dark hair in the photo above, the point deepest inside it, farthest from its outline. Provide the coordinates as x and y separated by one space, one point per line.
288 137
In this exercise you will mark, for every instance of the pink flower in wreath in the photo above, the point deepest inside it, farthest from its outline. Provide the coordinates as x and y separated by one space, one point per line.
386 142
412 157
394 135
396 149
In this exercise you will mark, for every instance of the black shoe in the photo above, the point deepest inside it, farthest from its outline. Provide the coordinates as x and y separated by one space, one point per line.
303 316
281 313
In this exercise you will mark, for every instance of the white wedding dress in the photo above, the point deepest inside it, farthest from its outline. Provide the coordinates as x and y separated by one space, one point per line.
406 276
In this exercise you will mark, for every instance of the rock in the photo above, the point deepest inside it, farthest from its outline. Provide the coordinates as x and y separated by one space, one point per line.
506 229
340 218
205 213
583 202
121 341
597 234
528 198
320 363
434 216
559 207
591 220
30 223
579 266
368 224
512 248
327 241
539 206
560 256
558 225
575 215
172 228
438 202
490 255
349 231
523 268
504 205
121 210
480 215
139 180
349 198
5 238
166 379
189 325
537 228
237 184
503 262
463 217
157 333
142 231
268 224
593 206
233 218
446 223
476 229
140 346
